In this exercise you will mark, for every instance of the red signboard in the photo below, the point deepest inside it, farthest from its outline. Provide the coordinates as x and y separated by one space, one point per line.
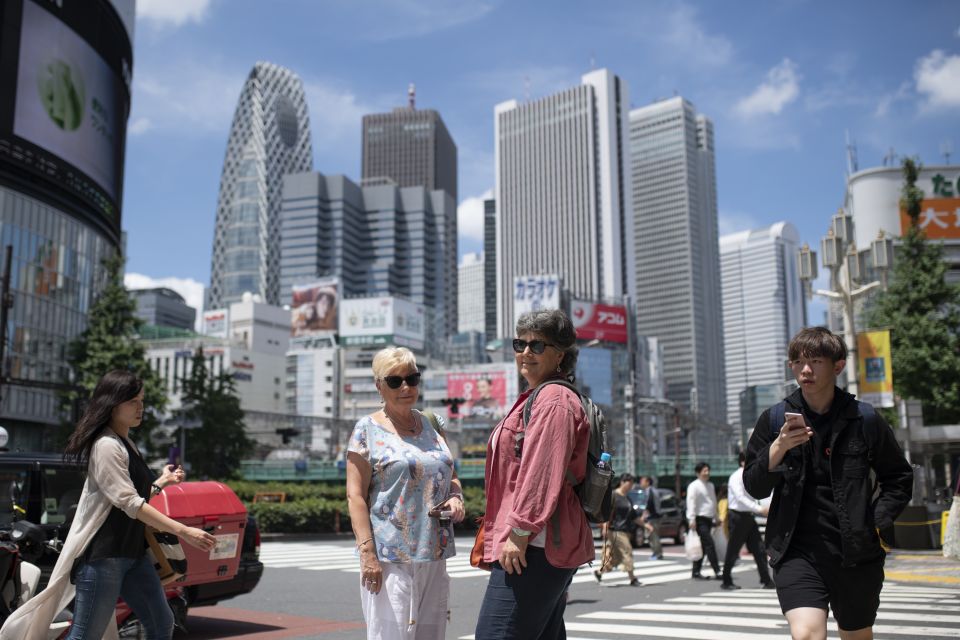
485 394
595 321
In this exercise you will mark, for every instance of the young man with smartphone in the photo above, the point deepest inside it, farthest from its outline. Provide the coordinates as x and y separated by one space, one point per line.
823 453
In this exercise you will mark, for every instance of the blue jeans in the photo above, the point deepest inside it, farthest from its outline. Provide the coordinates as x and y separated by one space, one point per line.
528 606
100 582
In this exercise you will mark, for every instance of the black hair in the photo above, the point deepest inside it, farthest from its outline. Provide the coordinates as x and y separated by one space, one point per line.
626 477
742 458
817 342
114 388
700 467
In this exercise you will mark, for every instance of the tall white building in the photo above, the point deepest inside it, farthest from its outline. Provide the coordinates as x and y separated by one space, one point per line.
470 289
269 137
562 192
763 307
677 270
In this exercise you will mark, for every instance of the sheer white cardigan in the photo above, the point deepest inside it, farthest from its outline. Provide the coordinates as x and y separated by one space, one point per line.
108 485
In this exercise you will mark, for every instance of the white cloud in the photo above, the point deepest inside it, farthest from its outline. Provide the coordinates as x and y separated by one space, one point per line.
470 216
733 222
172 13
187 98
396 19
335 112
190 289
888 100
681 30
781 87
139 126
521 82
938 78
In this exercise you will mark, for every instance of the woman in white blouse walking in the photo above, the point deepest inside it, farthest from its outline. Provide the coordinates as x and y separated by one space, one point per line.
105 553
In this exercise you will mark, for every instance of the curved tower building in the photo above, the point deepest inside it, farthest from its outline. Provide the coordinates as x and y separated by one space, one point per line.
269 137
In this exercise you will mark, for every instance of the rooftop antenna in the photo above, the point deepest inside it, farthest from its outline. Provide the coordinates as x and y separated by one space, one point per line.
852 165
890 159
593 61
946 148
412 96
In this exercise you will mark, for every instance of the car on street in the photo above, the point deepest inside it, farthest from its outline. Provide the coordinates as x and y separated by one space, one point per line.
673 521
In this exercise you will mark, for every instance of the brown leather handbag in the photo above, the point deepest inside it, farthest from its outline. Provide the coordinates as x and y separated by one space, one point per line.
476 554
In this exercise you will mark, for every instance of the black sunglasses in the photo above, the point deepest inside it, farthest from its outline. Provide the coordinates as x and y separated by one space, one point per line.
394 382
537 346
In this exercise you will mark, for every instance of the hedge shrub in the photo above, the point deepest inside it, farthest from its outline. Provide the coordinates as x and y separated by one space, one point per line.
312 507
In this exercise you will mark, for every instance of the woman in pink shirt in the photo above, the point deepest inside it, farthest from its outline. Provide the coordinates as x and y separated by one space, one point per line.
535 531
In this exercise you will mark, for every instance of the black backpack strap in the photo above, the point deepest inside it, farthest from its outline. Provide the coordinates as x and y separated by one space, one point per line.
528 408
778 414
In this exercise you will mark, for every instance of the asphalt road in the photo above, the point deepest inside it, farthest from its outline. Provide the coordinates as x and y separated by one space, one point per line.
311 590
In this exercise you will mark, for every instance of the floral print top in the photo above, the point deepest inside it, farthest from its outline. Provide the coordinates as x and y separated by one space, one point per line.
409 475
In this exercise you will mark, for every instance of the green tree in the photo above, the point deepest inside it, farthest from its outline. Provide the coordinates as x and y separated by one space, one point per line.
109 342
220 442
922 311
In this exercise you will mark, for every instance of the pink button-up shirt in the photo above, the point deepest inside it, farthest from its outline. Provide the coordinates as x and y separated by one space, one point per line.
525 492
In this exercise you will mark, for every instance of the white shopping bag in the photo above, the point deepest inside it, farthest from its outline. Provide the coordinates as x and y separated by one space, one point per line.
720 542
692 546
951 538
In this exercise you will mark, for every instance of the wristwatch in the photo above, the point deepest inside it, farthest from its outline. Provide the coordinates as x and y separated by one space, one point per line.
523 533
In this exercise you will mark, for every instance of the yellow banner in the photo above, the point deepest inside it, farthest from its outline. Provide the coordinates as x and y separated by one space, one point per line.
876 368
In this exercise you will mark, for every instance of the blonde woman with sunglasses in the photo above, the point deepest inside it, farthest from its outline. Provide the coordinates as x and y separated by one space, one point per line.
404 497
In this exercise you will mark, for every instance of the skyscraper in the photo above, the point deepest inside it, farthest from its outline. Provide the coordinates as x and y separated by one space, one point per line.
677 266
380 240
763 307
269 137
470 290
489 269
562 192
412 147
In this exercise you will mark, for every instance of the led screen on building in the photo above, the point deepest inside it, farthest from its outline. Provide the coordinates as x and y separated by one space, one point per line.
484 392
64 102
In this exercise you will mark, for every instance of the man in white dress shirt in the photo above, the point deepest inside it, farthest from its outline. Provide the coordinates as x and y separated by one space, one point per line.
742 510
702 514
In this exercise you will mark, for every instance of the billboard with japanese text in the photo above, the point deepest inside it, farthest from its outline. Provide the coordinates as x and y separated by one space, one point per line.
485 393
939 219
313 308
597 321
215 323
532 293
382 321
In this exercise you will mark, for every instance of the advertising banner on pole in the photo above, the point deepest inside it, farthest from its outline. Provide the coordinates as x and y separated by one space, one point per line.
532 293
596 321
313 308
875 368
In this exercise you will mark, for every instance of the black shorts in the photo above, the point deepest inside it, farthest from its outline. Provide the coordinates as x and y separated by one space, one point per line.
852 592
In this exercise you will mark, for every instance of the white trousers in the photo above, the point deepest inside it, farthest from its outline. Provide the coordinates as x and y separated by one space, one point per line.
412 605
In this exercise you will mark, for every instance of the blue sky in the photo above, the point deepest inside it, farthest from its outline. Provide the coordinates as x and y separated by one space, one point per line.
783 81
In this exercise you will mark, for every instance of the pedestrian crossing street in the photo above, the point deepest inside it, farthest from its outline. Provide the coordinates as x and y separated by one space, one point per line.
313 556
754 614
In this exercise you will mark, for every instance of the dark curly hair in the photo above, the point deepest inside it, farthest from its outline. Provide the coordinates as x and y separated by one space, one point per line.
556 327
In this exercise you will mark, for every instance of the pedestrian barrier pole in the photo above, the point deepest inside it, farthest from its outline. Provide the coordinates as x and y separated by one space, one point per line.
943 526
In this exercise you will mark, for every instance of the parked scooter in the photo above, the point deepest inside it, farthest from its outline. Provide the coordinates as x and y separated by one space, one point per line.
23 544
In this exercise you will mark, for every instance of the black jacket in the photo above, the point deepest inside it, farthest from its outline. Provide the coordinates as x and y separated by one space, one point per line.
854 455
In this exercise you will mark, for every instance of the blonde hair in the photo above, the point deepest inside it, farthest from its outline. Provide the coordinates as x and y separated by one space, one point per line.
390 358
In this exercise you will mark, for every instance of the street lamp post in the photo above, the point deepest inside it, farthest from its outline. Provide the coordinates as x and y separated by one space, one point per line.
847 275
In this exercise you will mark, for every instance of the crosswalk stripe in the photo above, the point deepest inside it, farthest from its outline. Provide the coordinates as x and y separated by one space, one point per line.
668 632
680 618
